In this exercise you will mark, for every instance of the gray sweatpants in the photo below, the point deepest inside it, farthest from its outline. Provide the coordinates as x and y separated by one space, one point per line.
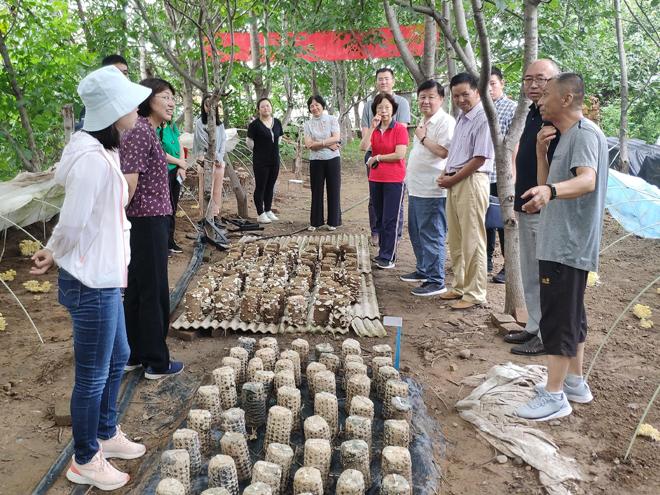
529 267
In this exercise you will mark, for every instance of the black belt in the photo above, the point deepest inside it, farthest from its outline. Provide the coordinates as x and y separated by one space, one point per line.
477 172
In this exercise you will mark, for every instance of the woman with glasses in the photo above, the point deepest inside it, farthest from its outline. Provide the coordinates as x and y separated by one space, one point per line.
322 138
146 299
176 171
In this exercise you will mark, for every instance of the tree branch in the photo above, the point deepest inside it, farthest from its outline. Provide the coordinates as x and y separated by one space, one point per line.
402 45
155 37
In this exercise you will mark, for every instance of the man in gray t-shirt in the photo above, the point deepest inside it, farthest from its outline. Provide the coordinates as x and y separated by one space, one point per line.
571 197
385 85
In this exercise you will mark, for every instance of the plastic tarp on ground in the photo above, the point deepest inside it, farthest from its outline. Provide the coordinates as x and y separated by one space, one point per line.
644 159
634 203
490 408
29 198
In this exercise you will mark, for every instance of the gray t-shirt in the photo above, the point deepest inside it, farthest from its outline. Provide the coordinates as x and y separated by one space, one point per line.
402 113
319 129
570 230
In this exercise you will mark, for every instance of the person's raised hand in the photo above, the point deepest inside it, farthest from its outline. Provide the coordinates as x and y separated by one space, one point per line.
43 261
544 137
375 122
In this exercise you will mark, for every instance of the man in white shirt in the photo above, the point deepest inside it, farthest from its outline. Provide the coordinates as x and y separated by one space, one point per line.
427 221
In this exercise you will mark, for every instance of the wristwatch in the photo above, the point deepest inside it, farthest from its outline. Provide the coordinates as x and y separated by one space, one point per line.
553 191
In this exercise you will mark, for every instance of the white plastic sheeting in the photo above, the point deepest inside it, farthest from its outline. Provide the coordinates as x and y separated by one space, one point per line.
634 203
490 408
29 198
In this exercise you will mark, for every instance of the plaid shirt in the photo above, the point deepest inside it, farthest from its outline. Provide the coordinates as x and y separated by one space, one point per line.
505 108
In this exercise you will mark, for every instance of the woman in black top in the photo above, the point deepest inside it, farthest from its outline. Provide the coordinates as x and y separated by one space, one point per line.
263 137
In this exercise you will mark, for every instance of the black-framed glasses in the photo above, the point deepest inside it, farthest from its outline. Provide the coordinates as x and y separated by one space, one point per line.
540 81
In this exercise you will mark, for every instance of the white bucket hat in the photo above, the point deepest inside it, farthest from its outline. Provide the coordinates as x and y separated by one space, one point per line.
108 95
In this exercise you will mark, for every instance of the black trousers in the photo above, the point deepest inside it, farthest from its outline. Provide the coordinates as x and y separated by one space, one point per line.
147 299
490 233
325 173
175 192
264 186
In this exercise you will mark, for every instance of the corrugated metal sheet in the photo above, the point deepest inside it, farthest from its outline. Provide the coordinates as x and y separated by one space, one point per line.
364 315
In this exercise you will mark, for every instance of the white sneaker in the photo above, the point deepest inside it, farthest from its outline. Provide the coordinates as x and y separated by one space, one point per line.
121 447
271 215
263 218
331 228
98 472
311 228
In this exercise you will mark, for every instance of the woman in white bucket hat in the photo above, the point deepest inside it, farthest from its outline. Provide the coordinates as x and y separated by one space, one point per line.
90 244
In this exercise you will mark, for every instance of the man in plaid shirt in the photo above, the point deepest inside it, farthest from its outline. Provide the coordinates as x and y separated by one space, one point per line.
505 108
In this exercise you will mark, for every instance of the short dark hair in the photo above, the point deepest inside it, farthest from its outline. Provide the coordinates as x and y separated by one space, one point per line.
496 71
205 115
430 84
574 83
385 69
379 98
318 99
464 77
108 137
263 98
157 86
113 59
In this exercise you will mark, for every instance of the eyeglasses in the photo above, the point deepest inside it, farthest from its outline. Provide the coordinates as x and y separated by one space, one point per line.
165 97
540 81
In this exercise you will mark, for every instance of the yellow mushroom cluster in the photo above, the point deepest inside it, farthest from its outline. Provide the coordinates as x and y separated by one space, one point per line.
35 286
3 323
29 247
8 275
643 312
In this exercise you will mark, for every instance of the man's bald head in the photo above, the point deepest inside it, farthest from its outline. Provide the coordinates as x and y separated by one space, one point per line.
544 65
571 83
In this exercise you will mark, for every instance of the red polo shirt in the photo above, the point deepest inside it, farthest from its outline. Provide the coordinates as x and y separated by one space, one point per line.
383 143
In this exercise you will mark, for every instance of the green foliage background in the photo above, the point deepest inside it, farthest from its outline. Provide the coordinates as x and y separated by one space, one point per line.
50 54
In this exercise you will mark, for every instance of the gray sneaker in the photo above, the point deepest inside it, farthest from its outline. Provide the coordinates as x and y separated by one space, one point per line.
544 407
580 394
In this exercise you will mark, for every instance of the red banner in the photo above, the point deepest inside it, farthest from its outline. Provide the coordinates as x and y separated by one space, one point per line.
330 45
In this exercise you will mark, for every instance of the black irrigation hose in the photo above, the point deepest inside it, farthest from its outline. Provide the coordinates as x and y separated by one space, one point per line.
130 382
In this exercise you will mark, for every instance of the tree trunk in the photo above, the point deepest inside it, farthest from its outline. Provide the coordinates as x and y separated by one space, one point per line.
462 29
340 80
430 45
407 57
450 58
85 26
68 120
188 114
35 160
239 191
624 160
260 89
504 146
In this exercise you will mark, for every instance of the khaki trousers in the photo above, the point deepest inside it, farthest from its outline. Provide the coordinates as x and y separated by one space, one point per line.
467 203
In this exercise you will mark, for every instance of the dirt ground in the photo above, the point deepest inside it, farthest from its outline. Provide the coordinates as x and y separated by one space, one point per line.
36 378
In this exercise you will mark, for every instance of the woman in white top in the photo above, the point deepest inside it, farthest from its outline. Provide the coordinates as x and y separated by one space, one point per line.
322 137
91 246
201 145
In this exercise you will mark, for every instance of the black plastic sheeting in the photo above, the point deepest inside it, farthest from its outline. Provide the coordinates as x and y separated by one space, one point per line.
424 430
130 380
644 159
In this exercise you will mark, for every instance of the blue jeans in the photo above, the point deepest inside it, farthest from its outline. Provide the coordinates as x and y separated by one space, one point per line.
100 352
427 227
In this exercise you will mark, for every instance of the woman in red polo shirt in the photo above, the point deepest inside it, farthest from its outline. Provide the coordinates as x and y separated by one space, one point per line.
389 142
